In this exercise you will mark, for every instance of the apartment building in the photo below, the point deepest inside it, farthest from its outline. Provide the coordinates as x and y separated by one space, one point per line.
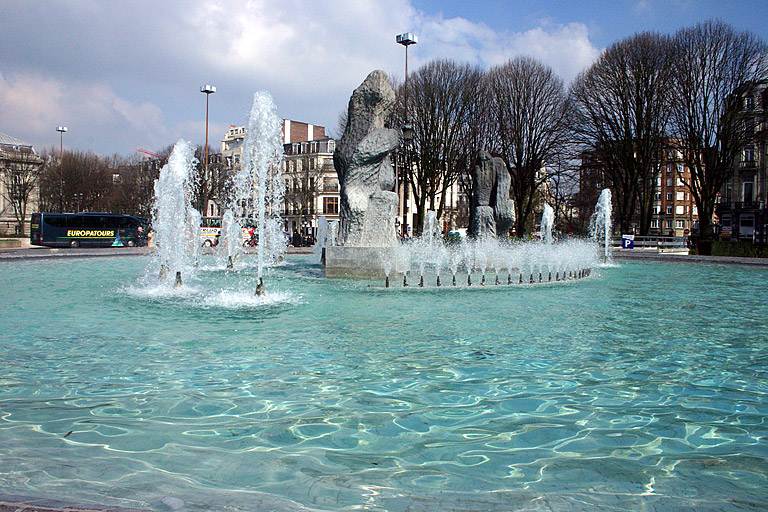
311 183
674 210
742 205
19 167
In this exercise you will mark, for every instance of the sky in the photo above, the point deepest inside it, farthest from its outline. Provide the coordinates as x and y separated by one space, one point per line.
123 75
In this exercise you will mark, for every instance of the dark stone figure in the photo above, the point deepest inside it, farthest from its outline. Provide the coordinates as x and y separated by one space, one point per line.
368 205
492 210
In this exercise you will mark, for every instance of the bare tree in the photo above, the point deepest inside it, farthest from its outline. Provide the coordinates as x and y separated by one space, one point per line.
81 182
620 116
211 185
19 175
442 97
304 183
528 109
716 68
563 186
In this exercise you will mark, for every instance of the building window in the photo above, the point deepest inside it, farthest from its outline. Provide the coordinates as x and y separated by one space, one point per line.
656 209
749 154
680 196
670 182
680 224
330 185
330 205
748 189
750 102
669 209
680 209
655 223
670 196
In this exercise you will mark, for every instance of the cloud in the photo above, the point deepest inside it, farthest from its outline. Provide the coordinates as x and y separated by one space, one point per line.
123 75
32 106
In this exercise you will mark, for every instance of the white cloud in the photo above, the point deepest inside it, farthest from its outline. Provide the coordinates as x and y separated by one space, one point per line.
32 106
126 76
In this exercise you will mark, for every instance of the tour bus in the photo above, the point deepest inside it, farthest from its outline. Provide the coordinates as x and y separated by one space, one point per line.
210 230
87 230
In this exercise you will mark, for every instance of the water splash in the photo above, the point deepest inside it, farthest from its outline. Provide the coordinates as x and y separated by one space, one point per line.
260 180
547 222
600 223
173 217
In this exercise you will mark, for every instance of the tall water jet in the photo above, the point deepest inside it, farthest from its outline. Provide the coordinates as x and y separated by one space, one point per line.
321 242
260 180
600 223
172 212
231 236
547 221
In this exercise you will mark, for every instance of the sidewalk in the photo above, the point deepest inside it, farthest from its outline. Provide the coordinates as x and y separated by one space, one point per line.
34 252
632 254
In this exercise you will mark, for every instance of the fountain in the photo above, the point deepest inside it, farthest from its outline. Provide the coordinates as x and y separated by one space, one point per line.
547 222
259 183
326 237
600 223
172 213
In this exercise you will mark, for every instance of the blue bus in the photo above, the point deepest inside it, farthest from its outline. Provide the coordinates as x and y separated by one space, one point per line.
87 230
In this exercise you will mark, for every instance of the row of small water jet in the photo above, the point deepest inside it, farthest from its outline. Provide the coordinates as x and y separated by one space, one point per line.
175 222
488 260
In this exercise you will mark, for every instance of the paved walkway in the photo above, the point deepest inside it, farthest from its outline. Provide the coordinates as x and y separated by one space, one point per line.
633 254
34 252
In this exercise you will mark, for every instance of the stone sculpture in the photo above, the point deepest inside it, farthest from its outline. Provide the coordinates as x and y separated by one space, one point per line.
368 205
492 210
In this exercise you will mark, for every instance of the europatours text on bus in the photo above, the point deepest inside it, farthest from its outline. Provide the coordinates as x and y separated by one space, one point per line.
88 233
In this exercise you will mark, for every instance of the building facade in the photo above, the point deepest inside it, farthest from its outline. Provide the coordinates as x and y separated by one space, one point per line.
742 204
309 176
674 210
311 186
19 192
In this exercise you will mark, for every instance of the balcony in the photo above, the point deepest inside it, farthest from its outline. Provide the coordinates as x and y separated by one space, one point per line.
739 206
748 164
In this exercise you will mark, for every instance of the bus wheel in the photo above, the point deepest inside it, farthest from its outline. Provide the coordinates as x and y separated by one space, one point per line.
207 243
74 243
131 243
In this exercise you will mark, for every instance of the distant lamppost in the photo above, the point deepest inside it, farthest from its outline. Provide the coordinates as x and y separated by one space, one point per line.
406 40
61 130
207 90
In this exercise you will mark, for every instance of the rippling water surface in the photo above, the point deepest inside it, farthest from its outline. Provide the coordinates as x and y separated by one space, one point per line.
643 387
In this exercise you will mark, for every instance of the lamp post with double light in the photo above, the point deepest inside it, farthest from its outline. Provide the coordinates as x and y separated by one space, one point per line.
406 39
61 130
207 90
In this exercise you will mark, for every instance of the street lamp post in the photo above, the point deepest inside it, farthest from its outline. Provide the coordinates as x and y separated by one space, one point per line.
207 90
61 130
406 40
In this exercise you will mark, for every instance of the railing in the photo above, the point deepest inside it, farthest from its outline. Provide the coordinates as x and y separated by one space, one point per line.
741 205
654 243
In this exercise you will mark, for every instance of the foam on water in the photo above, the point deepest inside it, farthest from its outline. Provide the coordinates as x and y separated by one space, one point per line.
243 299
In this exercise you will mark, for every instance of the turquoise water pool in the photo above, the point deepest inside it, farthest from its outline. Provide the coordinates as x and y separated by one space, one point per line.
643 387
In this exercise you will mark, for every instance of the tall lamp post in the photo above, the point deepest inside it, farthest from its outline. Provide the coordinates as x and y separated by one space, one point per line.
61 130
207 90
406 40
